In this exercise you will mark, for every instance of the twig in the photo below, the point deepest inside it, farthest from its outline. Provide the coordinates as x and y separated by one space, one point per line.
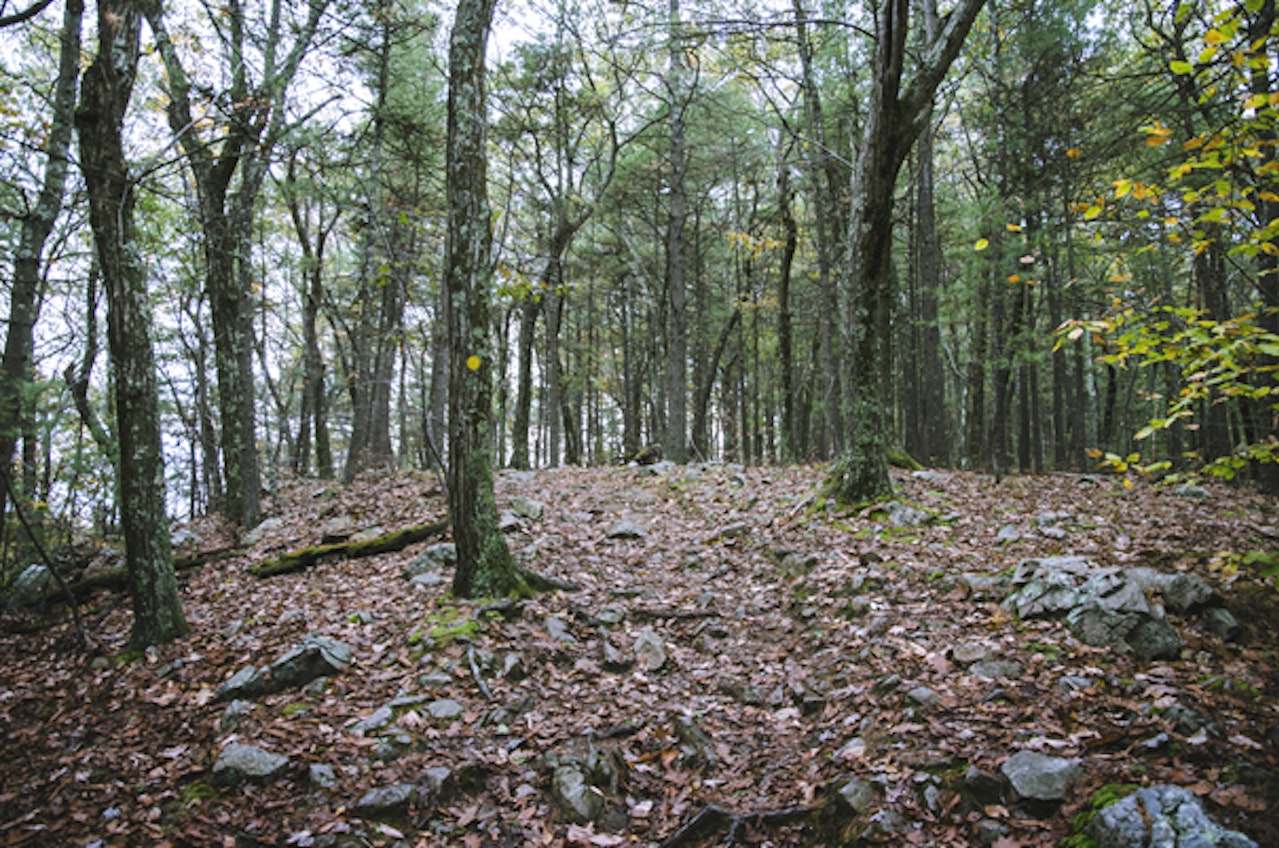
475 672
679 614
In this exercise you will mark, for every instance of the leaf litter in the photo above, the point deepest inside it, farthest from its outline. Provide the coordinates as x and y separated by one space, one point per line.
801 644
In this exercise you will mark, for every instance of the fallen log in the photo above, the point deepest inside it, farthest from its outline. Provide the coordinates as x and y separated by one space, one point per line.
304 558
117 579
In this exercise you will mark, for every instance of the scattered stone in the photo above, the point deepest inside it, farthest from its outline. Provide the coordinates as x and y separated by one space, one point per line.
434 558
923 696
796 564
625 529
427 580
239 764
858 796
1221 622
610 614
584 780
886 684
928 476
1038 777
184 539
316 656
246 684
337 529
613 658
989 831
1074 683
526 507
509 522
903 515
982 787
1008 533
731 531
995 669
236 710
435 679
33 586
558 629
1196 492
969 653
291 615
696 747
435 779
1046 519
444 708
1052 533
1188 722
1188 593
513 667
1161 815
986 587
650 650
379 719
386 803
322 775
257 534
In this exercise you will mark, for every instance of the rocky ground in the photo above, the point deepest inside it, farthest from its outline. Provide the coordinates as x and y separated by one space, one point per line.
742 663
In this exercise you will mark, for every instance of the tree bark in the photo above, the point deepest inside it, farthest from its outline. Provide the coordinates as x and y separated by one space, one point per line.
893 124
24 295
675 444
485 566
108 84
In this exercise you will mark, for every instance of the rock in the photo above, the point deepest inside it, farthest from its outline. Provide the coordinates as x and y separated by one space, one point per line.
379 719
1188 593
969 653
982 787
316 656
625 529
995 669
526 507
239 764
1008 533
610 614
1052 533
337 529
1220 622
557 629
444 708
434 558
322 775
985 587
858 796
513 667
1196 492
923 696
696 747
237 709
1186 721
613 658
928 476
573 792
731 531
509 522
1046 519
902 515
796 564
989 831
650 650
427 580
1158 816
385 803
1039 777
435 679
246 684
584 780
257 534
184 539
435 780
33 586
1154 639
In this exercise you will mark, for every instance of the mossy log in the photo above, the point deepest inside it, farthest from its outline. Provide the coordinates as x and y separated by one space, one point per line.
304 558
117 579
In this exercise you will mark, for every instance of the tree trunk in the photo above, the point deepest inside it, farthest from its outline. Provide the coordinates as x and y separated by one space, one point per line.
894 122
675 444
36 225
529 310
485 566
790 441
108 83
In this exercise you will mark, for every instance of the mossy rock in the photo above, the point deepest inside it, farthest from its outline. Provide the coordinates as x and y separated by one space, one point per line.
899 458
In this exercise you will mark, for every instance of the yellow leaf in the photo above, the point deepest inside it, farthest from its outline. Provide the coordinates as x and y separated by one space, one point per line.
1092 212
473 362
1155 140
1122 187
1127 483
1013 228
981 244
1014 278
1214 36
1074 153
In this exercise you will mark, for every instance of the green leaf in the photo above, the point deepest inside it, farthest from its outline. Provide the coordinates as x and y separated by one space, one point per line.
1181 68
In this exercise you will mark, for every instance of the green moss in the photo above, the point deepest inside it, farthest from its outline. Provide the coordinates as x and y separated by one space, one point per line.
898 458
1104 797
444 626
294 708
192 794
935 575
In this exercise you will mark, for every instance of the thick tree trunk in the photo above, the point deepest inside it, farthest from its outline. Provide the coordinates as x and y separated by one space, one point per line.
108 83
485 566
529 310
675 444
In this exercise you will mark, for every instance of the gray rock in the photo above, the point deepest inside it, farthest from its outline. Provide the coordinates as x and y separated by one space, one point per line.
1196 492
257 534
379 719
239 764
1046 519
435 779
969 653
236 710
557 629
989 831
337 529
923 696
444 708
526 507
928 476
1188 593
184 538
386 803
1186 721
1052 533
1154 639
246 684
316 656
613 658
435 679
1039 777
368 534
650 650
584 780
509 522
434 558
33 586
611 614
625 529
1220 622
902 515
995 669
982 787
322 775
986 587
1008 533
573 792
858 796
513 667
1160 816
428 580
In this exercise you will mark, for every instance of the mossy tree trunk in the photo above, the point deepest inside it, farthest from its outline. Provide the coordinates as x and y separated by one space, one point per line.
485 566
108 83
895 118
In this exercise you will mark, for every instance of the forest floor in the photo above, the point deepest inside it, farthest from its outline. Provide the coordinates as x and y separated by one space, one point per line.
797 638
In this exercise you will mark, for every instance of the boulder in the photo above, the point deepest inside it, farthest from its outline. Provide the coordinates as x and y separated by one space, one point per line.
386 803
316 656
858 796
1188 593
584 780
1161 815
239 764
1038 777
650 650
625 529
33 586
433 559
